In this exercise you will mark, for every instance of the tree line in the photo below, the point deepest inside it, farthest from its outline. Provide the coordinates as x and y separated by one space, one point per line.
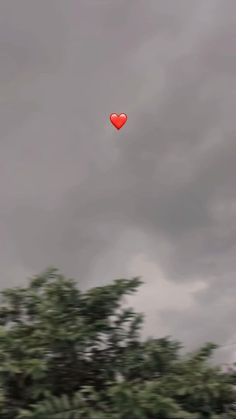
68 354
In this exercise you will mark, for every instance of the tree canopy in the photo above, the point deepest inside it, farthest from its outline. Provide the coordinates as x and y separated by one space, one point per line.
68 354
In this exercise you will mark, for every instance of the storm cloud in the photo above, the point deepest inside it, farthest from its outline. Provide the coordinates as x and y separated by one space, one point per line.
157 198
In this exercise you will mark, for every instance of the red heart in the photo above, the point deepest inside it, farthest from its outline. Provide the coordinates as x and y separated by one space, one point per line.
118 120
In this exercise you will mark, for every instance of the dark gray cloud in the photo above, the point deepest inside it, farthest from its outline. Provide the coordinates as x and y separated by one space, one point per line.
77 194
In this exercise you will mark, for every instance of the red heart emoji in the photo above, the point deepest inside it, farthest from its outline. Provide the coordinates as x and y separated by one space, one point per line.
118 120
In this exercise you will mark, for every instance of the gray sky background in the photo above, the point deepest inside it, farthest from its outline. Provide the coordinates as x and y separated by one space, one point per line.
157 198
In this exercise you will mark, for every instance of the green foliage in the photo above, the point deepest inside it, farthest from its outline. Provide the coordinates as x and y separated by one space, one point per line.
65 354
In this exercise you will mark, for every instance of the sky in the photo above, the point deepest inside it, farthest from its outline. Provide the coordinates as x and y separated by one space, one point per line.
156 199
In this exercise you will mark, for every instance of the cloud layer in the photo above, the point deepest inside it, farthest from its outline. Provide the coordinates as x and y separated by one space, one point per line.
157 197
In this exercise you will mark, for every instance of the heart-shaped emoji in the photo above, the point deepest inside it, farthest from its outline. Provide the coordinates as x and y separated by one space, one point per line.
118 120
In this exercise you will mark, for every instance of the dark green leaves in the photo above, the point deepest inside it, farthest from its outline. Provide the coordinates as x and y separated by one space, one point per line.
65 354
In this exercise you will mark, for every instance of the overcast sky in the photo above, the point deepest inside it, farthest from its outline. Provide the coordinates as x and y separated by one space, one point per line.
156 199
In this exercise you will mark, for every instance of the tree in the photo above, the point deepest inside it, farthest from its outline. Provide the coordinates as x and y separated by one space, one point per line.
71 354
